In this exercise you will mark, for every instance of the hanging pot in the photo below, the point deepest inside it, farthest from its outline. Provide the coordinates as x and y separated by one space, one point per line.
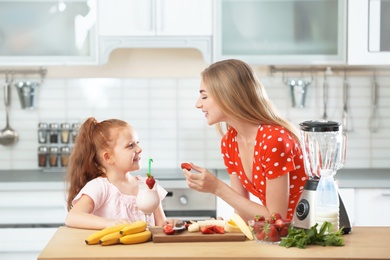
27 92
298 90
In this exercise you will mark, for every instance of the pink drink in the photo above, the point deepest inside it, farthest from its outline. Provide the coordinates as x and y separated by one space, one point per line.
147 199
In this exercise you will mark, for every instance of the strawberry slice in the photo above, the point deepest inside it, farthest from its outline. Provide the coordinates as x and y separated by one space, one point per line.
207 230
150 181
186 166
218 229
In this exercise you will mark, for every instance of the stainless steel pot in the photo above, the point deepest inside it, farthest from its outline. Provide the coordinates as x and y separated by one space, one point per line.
27 91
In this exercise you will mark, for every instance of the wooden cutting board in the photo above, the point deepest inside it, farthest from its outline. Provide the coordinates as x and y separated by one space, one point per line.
184 236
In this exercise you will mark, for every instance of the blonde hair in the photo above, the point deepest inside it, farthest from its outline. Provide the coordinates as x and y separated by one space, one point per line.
84 163
239 94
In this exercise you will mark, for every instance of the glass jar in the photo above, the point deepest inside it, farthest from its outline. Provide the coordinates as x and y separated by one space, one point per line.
53 133
42 156
42 133
75 131
53 156
65 133
65 152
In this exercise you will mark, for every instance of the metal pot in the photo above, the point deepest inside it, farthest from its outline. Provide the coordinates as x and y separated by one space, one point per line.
27 92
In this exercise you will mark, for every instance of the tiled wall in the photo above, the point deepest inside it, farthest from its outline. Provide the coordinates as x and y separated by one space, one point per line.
172 130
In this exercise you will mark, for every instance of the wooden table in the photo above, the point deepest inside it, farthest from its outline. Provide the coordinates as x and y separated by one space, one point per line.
362 243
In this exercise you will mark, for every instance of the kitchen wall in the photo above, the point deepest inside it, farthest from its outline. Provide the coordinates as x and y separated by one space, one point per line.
156 90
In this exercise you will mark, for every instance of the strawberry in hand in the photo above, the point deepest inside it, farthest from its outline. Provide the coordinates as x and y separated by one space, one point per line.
150 181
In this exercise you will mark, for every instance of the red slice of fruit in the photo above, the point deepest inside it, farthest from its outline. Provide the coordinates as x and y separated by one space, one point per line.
207 230
218 230
186 166
168 229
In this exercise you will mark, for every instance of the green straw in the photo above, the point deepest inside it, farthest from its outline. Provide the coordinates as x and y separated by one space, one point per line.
150 165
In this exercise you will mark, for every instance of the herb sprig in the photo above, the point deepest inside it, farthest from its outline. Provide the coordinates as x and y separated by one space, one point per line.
303 237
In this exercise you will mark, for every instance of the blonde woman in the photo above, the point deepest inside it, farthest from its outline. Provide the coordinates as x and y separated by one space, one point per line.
260 149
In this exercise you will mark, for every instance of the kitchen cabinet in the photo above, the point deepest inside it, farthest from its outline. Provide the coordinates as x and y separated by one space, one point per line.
37 32
369 32
372 207
155 23
155 18
281 32
30 213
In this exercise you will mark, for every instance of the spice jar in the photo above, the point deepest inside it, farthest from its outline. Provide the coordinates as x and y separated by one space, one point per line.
42 156
75 131
65 132
53 156
42 133
53 133
65 151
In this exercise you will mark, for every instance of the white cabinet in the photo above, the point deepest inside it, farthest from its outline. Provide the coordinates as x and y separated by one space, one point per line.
43 32
155 24
369 32
155 18
372 207
281 32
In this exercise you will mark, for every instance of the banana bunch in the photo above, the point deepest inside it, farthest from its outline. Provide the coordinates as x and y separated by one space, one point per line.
128 233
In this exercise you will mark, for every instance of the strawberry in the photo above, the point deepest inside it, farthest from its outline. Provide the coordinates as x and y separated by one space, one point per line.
259 218
218 229
283 232
150 181
260 235
258 226
276 216
279 224
186 166
168 229
207 230
273 234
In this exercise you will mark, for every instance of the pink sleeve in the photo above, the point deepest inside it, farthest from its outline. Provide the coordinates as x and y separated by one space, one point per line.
95 189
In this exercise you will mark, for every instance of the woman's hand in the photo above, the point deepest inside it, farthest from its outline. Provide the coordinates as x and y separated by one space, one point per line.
203 181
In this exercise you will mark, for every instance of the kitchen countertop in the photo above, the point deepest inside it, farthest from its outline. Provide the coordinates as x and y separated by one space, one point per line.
362 243
346 178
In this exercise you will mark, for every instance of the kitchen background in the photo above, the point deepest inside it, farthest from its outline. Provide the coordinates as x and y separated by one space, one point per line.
140 61
155 90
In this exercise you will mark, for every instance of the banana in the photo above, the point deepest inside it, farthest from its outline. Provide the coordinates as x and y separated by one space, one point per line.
136 238
135 227
231 227
94 238
242 225
110 239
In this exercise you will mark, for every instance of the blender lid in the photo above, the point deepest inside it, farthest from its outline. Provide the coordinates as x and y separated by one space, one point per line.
320 126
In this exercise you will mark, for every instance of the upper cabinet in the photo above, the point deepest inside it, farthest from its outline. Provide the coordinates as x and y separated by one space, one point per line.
369 32
154 24
48 32
281 32
155 18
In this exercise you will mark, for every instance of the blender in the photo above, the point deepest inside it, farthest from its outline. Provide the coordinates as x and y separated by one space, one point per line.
323 146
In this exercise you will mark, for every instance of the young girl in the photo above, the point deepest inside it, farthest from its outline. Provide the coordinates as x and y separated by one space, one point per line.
261 150
102 192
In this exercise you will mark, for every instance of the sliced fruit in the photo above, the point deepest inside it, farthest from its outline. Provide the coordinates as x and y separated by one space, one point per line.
231 227
242 225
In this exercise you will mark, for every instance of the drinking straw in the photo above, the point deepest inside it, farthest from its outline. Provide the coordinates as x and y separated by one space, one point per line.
150 165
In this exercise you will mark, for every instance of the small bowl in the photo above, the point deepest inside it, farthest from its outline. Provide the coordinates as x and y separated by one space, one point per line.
269 233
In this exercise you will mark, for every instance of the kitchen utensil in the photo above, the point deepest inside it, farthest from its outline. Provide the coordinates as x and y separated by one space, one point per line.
325 98
298 90
8 136
374 117
27 91
345 125
324 146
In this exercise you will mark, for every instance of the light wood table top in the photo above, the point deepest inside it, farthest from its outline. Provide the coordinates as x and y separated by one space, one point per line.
362 243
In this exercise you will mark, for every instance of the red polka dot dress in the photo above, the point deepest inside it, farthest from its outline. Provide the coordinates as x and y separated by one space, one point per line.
275 153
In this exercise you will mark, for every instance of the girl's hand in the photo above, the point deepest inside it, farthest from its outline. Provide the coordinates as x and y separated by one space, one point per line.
203 181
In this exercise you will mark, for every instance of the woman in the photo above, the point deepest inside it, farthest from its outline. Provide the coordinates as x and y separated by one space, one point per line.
261 150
